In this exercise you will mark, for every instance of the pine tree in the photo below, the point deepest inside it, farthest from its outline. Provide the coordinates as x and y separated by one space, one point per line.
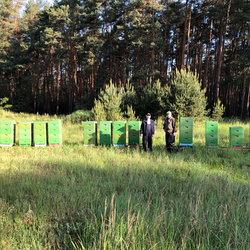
115 103
4 105
6 36
6 25
154 98
145 37
186 96
129 100
107 106
218 111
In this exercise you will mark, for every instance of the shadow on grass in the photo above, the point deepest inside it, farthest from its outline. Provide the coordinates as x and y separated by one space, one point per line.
166 191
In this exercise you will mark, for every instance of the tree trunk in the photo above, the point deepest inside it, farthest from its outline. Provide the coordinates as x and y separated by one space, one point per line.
184 37
188 35
245 99
218 65
153 52
57 88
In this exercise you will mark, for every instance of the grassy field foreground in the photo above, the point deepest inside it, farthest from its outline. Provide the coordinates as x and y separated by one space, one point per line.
77 197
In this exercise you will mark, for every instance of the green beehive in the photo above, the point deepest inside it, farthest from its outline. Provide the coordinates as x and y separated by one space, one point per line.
134 125
119 127
90 125
186 121
236 131
211 133
40 133
7 133
54 132
25 134
211 128
89 139
186 131
119 133
212 140
90 133
105 132
54 127
119 140
236 136
54 139
40 125
186 140
134 133
119 136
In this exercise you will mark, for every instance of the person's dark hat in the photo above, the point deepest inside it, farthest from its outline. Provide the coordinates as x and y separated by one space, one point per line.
148 114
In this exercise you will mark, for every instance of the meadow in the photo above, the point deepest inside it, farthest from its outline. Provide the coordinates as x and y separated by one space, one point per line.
78 197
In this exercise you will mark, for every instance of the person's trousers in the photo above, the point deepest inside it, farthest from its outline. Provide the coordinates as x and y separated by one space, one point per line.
169 143
147 139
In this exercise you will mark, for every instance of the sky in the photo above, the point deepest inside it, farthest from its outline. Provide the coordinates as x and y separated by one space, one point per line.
50 2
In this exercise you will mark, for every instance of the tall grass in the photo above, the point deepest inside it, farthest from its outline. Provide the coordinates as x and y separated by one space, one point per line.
77 197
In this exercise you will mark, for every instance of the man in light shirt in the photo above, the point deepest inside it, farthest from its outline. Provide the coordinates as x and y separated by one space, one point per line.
147 131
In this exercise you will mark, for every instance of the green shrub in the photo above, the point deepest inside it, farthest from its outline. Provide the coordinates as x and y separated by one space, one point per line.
129 99
79 116
98 111
115 103
107 106
130 114
218 111
186 96
3 104
154 98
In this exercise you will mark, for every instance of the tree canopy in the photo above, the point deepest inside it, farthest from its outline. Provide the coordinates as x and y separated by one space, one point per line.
54 59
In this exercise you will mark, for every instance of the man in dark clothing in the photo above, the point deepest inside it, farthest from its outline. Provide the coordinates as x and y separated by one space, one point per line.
170 130
147 131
